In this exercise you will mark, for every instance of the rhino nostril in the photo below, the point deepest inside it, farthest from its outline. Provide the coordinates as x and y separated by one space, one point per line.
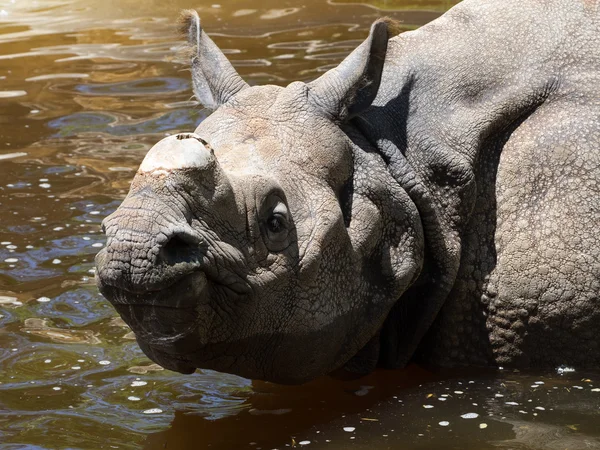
179 248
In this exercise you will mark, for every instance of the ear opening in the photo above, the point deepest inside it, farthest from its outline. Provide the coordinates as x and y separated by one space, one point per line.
214 79
348 89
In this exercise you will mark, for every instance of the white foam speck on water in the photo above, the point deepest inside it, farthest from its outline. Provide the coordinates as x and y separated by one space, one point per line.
427 406
499 395
596 390
512 404
56 388
564 369
47 361
94 213
104 362
138 383
98 244
56 261
153 411
444 423
482 426
470 416
523 412
43 299
349 429
459 392
5 299
577 387
540 408
133 398
58 228
76 367
86 238
539 382
45 185
11 260
442 399
304 442
11 247
5 243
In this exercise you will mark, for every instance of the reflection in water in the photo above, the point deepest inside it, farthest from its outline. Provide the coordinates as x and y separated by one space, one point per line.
87 87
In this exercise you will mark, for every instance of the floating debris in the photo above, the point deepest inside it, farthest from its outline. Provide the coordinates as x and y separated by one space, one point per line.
444 423
427 406
304 442
141 370
482 426
470 416
349 429
12 155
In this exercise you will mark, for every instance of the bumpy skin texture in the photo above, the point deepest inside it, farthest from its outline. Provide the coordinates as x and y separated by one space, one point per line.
442 206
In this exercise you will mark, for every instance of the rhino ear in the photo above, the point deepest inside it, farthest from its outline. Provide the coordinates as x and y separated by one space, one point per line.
351 87
214 78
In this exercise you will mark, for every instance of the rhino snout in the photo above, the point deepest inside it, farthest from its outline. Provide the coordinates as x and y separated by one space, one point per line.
140 262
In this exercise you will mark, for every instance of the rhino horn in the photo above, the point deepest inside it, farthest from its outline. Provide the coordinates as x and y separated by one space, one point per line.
182 151
214 79
350 88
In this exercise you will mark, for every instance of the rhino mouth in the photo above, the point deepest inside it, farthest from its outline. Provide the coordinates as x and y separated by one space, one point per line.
165 322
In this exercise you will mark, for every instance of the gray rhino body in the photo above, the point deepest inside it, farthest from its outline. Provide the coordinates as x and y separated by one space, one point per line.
434 197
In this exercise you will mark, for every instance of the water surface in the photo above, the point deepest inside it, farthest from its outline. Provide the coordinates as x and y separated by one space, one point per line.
86 88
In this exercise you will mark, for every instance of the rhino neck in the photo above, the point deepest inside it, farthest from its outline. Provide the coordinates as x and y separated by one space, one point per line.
435 115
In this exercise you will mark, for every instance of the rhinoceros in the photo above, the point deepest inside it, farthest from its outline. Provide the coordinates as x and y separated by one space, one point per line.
435 197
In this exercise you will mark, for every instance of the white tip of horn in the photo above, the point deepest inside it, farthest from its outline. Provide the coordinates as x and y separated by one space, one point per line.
180 151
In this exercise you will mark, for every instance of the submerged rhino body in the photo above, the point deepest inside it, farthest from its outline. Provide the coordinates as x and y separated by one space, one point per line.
434 197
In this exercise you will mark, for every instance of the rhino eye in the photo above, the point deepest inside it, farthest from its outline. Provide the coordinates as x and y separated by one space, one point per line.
276 226
275 223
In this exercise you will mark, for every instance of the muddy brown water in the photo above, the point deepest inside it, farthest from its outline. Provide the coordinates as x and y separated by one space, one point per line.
86 88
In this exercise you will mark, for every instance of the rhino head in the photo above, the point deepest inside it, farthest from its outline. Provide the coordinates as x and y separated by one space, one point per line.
272 242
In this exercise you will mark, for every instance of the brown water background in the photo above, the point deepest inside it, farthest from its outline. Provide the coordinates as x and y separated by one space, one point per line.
86 88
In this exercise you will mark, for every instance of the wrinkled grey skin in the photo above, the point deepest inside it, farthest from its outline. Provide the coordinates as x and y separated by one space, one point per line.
443 206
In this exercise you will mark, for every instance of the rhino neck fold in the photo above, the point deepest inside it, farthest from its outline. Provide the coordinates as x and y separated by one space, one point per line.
432 121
